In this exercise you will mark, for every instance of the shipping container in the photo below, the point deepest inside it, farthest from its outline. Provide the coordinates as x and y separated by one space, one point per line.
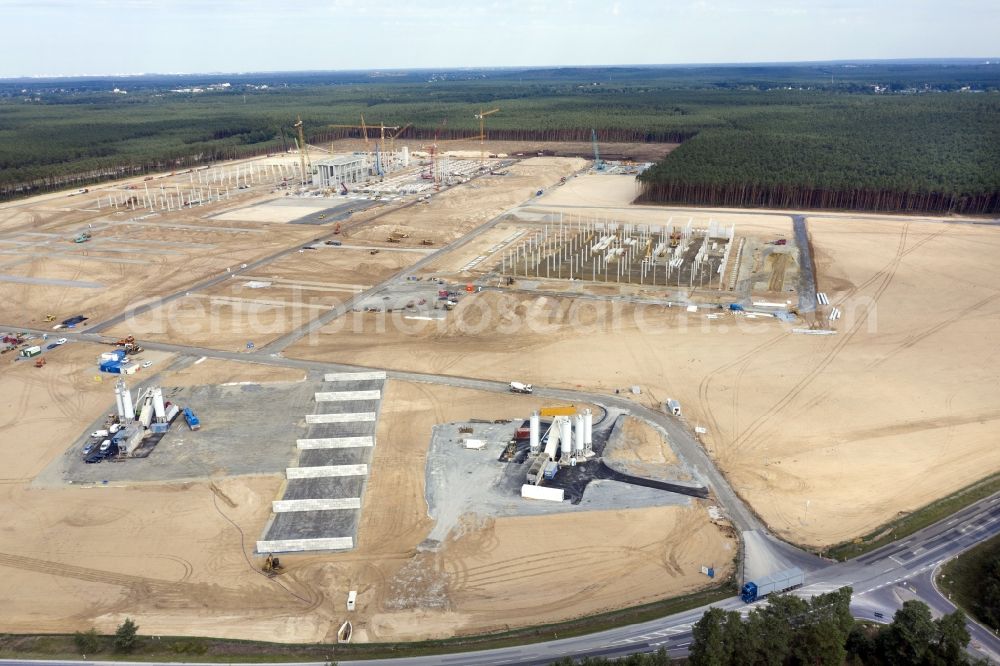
551 469
28 352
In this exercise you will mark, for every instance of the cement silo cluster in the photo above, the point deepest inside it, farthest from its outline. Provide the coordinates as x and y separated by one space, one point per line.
567 440
135 418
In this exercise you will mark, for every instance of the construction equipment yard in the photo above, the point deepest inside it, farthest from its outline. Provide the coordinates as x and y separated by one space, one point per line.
350 357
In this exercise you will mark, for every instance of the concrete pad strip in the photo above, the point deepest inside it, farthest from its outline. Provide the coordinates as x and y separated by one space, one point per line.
340 418
303 545
334 443
342 396
325 471
282 506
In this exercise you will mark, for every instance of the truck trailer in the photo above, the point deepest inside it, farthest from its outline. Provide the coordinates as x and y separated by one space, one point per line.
782 581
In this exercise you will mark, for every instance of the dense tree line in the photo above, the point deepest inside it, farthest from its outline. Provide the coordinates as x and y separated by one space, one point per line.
776 148
789 631
937 153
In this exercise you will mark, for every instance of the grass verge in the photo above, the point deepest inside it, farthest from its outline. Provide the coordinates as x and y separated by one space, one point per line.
179 649
962 578
906 525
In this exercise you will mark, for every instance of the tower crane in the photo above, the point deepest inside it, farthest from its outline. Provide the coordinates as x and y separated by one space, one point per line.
380 146
598 164
302 148
481 117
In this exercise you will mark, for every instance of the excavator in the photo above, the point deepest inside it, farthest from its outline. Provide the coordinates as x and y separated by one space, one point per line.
50 317
272 566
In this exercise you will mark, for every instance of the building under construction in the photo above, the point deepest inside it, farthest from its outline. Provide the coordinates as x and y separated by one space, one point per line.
335 171
665 255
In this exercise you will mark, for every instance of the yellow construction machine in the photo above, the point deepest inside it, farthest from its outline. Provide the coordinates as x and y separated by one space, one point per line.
271 566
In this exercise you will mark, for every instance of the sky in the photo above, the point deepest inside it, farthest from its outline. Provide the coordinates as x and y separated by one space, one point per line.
91 37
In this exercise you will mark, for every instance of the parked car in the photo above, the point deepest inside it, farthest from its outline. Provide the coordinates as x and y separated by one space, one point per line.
61 341
94 457
88 448
52 346
147 364
105 445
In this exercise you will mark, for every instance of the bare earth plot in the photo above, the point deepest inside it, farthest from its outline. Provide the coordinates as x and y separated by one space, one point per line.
475 582
863 424
127 262
457 211
167 555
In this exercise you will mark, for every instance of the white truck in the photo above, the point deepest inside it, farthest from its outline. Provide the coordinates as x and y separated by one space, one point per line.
518 387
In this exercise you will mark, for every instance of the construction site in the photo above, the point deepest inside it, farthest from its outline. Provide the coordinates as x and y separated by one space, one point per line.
403 380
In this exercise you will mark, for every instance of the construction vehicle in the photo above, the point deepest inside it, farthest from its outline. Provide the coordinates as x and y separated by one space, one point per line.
271 566
373 252
343 188
82 238
392 239
336 228
427 241
518 387
40 363
50 317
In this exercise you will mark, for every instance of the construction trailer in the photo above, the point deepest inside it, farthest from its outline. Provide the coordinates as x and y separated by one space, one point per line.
28 352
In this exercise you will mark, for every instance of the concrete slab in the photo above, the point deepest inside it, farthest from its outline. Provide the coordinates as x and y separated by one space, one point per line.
281 506
303 545
353 376
333 487
329 470
340 418
340 396
334 443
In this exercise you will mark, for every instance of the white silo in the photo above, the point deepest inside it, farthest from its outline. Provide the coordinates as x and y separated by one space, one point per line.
588 429
566 438
578 434
535 427
158 407
127 405
118 400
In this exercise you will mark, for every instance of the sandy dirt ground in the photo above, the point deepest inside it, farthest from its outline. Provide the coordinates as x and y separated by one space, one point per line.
476 581
169 556
896 409
175 558
212 371
457 211
125 264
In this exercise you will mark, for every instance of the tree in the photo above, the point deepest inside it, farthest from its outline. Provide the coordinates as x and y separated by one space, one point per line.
951 639
707 636
908 639
988 604
87 642
125 635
